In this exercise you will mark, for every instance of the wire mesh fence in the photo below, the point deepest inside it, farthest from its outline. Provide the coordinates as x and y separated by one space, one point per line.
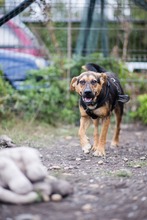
116 29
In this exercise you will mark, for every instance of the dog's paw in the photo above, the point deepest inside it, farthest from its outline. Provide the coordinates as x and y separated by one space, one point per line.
86 148
99 152
114 145
94 148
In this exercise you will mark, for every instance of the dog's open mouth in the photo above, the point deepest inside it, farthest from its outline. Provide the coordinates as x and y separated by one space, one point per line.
87 100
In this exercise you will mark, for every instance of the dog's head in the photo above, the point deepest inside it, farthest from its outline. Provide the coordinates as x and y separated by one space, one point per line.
88 85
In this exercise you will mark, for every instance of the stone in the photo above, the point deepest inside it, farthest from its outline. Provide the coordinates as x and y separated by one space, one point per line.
87 207
125 159
78 159
55 167
5 141
56 197
61 187
100 162
142 158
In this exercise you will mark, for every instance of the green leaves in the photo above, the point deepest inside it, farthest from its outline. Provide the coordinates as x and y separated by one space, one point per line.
141 112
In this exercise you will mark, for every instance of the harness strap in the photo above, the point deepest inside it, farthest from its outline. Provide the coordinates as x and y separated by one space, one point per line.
88 110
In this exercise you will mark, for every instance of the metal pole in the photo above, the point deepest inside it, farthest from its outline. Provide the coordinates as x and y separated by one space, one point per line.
16 11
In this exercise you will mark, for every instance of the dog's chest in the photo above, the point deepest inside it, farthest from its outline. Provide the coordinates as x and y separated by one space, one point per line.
102 111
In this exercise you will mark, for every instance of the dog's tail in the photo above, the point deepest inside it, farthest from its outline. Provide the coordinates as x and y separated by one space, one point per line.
94 67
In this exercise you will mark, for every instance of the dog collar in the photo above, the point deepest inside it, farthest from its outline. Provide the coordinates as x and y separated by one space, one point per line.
99 102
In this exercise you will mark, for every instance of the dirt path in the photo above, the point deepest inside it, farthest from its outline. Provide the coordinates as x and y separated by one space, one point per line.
114 188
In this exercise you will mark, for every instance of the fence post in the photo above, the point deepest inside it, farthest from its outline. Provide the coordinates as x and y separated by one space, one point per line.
69 40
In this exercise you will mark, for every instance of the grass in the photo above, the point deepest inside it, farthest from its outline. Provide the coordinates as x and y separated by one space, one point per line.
21 131
120 173
141 163
24 132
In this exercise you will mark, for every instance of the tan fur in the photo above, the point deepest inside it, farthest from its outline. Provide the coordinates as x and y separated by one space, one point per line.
102 113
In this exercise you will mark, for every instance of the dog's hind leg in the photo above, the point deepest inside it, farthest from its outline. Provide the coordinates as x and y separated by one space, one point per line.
118 116
84 124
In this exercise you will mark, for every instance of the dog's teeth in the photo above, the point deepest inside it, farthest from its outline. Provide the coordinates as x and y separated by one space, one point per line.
88 99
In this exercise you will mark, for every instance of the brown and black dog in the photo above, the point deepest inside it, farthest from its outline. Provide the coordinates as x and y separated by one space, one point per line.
100 93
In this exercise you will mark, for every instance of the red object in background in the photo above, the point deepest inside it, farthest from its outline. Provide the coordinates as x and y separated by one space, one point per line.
15 36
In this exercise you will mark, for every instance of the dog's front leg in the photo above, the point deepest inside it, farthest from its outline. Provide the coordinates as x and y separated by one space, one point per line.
95 135
100 150
84 124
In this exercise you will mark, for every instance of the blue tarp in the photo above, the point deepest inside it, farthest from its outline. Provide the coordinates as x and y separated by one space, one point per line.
15 66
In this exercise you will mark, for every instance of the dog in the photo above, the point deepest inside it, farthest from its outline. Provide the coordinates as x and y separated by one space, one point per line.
100 93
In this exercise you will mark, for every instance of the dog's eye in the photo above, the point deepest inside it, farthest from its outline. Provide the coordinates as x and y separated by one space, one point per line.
82 82
93 82
98 80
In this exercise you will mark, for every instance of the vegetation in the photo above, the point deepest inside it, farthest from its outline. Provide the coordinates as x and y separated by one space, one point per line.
141 111
1 2
122 173
48 98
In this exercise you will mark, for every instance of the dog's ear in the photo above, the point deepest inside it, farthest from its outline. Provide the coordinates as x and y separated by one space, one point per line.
73 83
103 78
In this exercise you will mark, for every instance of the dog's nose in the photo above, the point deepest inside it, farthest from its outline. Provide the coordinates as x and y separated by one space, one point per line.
87 92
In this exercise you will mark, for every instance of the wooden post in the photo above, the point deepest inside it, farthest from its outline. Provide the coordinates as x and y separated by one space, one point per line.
69 43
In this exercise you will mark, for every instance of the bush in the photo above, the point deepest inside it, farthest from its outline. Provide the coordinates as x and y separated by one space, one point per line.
5 95
141 112
49 99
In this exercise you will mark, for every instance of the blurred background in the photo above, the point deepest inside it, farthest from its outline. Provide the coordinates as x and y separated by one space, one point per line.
44 46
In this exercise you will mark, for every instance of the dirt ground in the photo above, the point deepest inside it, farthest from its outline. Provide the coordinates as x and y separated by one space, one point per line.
113 188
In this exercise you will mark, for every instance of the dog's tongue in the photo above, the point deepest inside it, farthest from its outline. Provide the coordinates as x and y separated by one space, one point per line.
87 99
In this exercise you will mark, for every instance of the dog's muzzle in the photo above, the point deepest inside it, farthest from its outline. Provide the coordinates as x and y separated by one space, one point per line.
88 96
